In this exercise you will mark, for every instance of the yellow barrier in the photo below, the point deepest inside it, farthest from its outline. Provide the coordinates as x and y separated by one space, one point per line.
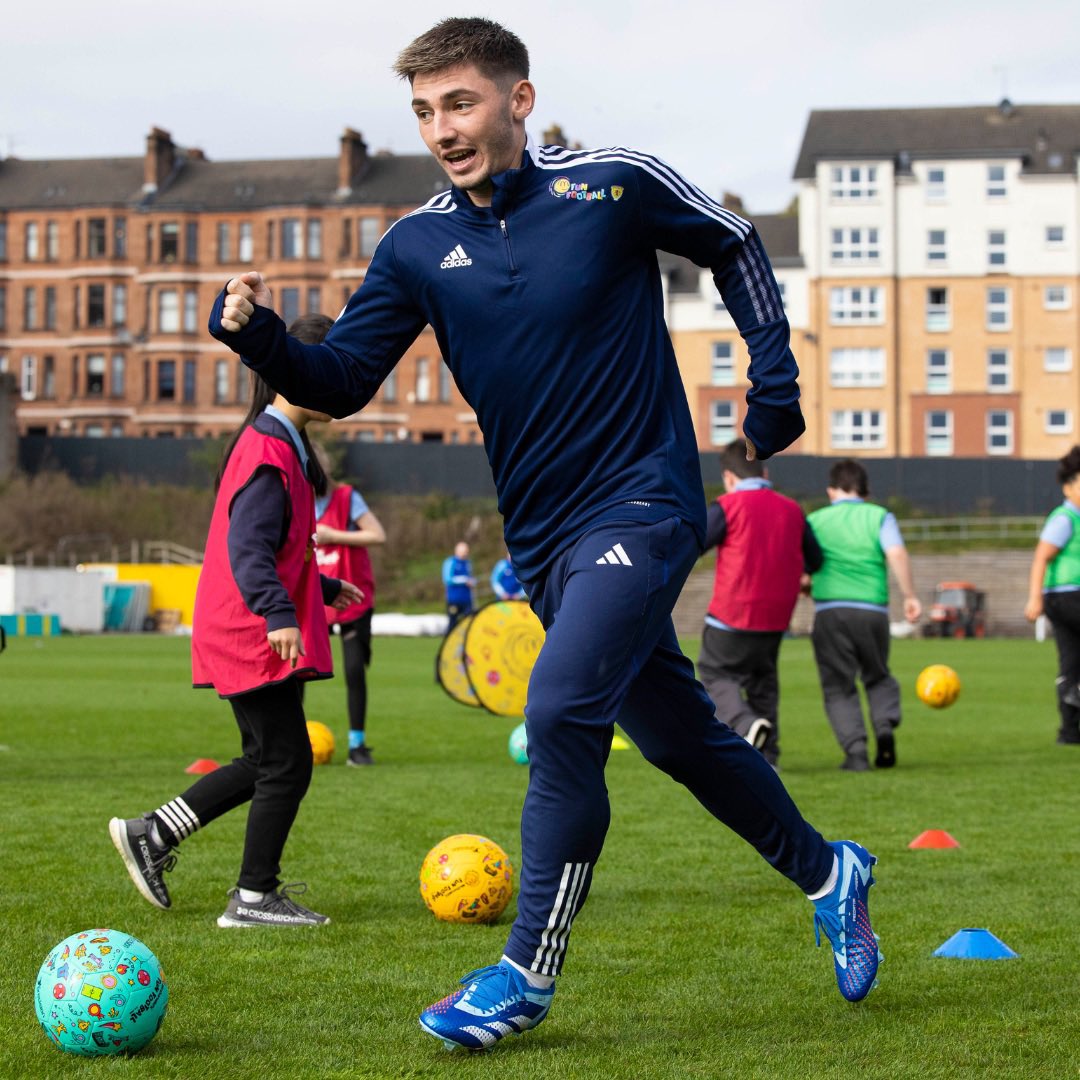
172 587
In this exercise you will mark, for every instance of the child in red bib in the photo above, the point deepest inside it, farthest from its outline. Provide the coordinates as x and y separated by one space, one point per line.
259 631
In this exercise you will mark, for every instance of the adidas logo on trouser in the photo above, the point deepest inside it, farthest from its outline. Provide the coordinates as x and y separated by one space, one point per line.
615 557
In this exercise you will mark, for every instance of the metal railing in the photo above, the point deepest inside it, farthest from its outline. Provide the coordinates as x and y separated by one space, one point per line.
1007 529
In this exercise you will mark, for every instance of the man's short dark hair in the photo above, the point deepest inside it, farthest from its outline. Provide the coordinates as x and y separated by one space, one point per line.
310 329
849 475
733 459
496 53
1068 467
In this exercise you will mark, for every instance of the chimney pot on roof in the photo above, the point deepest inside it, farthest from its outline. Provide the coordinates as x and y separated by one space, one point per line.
553 136
1005 107
352 159
159 160
194 153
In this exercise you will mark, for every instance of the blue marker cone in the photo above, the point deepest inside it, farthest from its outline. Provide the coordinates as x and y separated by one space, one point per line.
972 944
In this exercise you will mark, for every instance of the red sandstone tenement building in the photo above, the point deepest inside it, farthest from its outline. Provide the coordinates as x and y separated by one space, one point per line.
108 269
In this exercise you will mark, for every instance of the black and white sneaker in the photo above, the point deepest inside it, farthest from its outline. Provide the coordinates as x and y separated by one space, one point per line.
277 908
757 735
360 755
145 859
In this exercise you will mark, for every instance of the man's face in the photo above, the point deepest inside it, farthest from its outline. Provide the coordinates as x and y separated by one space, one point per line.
475 127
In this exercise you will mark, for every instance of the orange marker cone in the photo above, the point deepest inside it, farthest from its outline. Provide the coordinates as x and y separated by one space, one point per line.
933 838
202 765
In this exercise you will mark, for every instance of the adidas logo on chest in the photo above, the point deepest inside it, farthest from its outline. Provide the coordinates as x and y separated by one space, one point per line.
456 258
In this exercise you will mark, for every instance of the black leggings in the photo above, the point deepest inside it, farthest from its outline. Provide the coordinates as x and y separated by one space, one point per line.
273 773
356 652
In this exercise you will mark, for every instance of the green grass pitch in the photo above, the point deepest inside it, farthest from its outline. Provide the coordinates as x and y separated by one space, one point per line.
691 959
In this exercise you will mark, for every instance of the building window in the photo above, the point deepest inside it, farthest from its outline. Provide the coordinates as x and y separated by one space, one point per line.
939 433
722 372
938 314
998 370
269 239
3 241
189 382
50 307
76 381
119 305
1059 422
3 307
77 307
346 237
120 237
857 367
423 379
722 418
935 183
95 374
860 304
1057 358
314 300
28 379
1055 236
30 308
168 242
32 245
1056 297
191 311
290 304
221 382
224 243
48 377
292 239
935 246
995 182
95 238
243 383
938 371
119 370
95 305
998 308
191 242
781 285
52 240
368 233
166 380
857 429
999 431
853 182
856 245
444 383
995 249
314 238
245 243
169 311
389 387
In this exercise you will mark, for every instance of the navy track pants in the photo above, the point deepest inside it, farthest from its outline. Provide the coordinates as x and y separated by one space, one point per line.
611 656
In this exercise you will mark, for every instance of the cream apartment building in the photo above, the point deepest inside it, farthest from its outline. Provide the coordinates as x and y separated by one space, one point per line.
931 282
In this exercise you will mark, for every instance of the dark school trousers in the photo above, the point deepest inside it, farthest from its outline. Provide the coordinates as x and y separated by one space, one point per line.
738 670
1063 611
611 655
356 656
852 643
272 772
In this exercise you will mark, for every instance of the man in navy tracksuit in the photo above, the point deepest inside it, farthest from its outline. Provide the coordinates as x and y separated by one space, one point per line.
537 271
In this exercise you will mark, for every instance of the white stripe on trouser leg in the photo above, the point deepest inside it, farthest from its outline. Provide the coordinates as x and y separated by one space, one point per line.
553 940
179 817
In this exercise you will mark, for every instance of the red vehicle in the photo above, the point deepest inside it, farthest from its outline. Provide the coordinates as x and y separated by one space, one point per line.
958 610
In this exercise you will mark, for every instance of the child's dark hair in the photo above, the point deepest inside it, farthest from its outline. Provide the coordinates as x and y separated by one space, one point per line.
849 475
263 394
1068 467
733 459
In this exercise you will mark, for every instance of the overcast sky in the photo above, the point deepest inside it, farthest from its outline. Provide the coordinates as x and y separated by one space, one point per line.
721 90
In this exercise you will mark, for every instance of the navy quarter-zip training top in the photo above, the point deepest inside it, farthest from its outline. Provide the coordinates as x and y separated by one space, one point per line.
548 309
